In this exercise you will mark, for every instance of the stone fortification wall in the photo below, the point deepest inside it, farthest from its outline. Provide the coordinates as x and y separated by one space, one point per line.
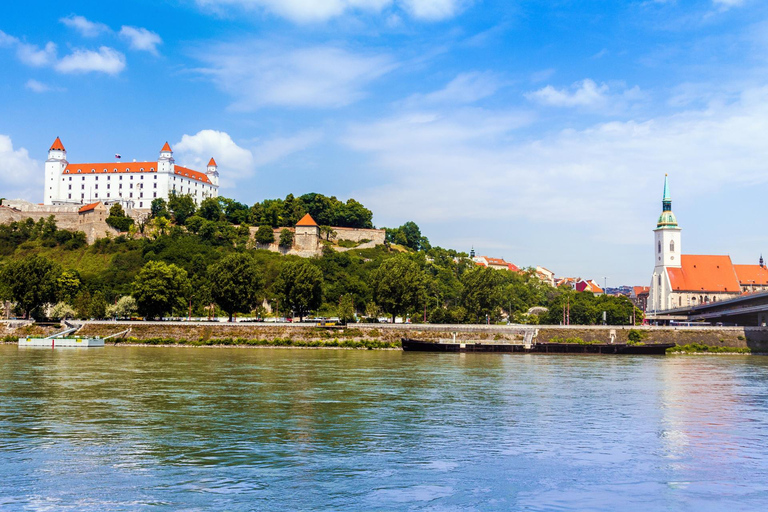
376 236
66 218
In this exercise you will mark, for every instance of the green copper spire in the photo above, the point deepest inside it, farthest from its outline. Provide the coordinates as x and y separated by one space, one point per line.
667 218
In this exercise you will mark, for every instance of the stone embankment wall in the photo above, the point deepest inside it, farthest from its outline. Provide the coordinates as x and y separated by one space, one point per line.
755 338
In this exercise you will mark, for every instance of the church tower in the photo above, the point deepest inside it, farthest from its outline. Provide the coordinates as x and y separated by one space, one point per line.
667 253
54 167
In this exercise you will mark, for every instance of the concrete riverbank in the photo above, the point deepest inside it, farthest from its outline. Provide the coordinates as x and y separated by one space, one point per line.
754 338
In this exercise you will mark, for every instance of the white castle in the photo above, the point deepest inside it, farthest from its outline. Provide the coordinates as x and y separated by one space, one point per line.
134 184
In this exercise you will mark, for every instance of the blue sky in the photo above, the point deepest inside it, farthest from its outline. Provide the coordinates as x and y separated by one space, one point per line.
537 131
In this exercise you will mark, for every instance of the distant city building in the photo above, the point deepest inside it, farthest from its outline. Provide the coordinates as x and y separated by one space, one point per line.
682 280
133 184
494 263
580 285
639 297
545 275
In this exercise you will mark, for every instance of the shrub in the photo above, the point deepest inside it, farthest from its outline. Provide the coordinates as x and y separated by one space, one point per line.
265 235
636 336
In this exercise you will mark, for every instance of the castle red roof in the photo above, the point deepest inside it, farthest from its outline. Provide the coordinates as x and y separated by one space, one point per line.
57 145
131 167
212 163
307 220
704 273
166 147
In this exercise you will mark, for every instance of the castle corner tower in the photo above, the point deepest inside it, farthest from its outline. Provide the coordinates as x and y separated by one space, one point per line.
54 167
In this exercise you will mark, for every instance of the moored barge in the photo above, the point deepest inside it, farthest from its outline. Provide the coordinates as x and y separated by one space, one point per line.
410 344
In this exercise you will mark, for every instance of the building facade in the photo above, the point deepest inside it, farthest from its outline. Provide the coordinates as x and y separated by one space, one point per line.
133 184
684 280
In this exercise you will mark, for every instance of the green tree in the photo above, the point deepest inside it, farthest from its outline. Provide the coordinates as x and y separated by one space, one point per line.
482 294
210 209
159 288
408 235
117 218
265 234
300 286
182 206
68 285
346 309
399 286
236 283
62 311
125 307
159 208
31 282
286 238
98 306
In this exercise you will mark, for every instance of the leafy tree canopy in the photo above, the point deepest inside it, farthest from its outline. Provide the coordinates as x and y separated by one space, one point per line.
300 286
236 283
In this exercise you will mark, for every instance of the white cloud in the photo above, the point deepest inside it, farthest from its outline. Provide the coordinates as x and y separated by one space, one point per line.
237 162
106 60
428 164
31 55
20 175
273 150
196 150
312 11
585 94
465 88
141 39
433 9
727 4
7 41
259 75
35 86
84 26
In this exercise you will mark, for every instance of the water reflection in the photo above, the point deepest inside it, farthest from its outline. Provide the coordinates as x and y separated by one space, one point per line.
177 428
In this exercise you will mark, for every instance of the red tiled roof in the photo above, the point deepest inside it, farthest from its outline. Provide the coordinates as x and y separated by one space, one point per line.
88 207
57 145
183 171
131 167
512 267
751 275
639 290
166 147
704 273
212 163
307 220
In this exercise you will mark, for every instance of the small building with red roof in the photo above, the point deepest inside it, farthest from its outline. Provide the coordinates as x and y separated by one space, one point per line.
133 184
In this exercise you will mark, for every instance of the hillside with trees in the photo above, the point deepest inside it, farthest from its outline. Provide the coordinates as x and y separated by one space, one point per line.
189 261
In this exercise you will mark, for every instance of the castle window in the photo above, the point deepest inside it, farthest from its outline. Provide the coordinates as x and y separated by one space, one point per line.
93 170
114 170
96 178
154 194
152 169
142 169
69 196
70 187
79 171
107 195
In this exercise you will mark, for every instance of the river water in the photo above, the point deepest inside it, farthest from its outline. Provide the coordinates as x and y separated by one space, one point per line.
149 428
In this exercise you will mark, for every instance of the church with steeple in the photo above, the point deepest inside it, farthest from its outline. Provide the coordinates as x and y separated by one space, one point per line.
684 280
132 184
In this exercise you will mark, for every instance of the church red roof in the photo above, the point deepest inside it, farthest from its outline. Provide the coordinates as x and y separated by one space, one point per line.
57 145
750 275
704 273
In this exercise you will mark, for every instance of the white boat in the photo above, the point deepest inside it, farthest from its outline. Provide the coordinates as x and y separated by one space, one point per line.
61 342
58 340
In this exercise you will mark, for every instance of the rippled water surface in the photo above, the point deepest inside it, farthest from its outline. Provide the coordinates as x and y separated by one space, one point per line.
269 429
